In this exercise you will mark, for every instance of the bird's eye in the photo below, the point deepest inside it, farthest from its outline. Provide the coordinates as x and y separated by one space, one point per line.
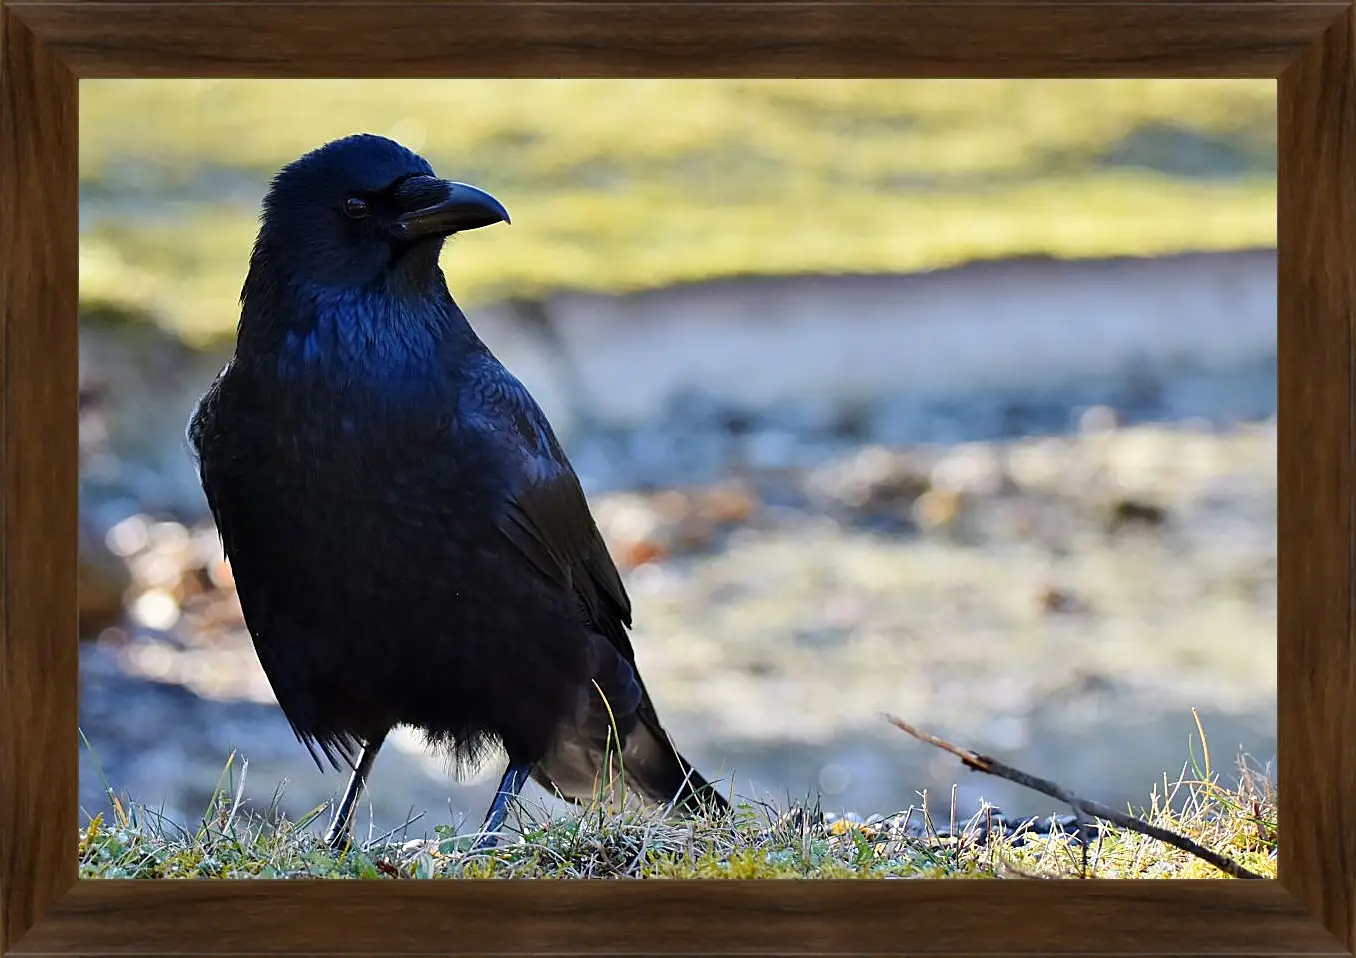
355 208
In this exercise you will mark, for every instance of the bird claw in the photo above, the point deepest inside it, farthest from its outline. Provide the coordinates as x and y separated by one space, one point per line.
472 843
337 841
484 843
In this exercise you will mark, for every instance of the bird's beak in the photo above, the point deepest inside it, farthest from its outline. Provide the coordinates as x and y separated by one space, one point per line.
441 208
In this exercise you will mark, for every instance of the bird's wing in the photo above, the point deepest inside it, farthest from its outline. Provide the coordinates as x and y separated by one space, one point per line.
545 514
548 521
550 524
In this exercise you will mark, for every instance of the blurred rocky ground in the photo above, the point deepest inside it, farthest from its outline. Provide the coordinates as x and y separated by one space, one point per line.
1054 568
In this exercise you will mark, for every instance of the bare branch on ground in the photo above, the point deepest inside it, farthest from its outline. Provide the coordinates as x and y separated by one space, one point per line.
1083 806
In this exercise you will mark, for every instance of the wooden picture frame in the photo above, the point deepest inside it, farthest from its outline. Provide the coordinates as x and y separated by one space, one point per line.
45 47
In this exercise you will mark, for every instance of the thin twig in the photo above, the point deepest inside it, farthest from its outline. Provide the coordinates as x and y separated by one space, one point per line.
991 766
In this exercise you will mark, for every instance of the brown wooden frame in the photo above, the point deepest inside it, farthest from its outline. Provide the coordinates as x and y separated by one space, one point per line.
46 46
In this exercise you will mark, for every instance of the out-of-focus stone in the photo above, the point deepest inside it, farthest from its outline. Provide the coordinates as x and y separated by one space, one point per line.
1052 599
937 509
1098 419
1134 513
974 468
102 581
875 483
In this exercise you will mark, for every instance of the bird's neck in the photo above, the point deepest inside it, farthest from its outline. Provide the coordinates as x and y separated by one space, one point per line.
382 336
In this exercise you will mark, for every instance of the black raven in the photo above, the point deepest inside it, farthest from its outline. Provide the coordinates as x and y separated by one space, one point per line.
410 544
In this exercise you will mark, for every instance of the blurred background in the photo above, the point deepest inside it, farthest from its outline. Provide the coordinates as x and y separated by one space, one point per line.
954 399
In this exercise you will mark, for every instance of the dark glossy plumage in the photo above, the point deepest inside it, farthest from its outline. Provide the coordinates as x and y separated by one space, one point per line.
409 541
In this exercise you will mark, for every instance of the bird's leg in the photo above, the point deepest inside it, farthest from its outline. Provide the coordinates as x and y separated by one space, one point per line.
343 815
515 777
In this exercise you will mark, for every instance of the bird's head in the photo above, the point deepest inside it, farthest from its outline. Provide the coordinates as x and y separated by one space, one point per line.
362 209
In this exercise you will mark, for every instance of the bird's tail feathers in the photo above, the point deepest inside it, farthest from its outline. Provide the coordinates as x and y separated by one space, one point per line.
577 769
655 768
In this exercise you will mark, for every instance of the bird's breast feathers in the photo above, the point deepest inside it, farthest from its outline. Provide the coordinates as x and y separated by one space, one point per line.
446 437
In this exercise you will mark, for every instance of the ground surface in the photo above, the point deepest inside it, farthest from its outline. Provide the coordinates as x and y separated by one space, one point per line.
1062 602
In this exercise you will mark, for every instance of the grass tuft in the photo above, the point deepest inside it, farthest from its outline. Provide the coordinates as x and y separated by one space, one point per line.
753 841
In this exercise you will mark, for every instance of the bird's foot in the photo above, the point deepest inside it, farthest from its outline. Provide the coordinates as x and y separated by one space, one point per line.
515 776
484 843
337 839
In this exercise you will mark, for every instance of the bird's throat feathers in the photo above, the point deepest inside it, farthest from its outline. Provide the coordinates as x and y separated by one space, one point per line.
378 336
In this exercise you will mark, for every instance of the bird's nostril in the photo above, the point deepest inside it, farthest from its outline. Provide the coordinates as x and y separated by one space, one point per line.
419 192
